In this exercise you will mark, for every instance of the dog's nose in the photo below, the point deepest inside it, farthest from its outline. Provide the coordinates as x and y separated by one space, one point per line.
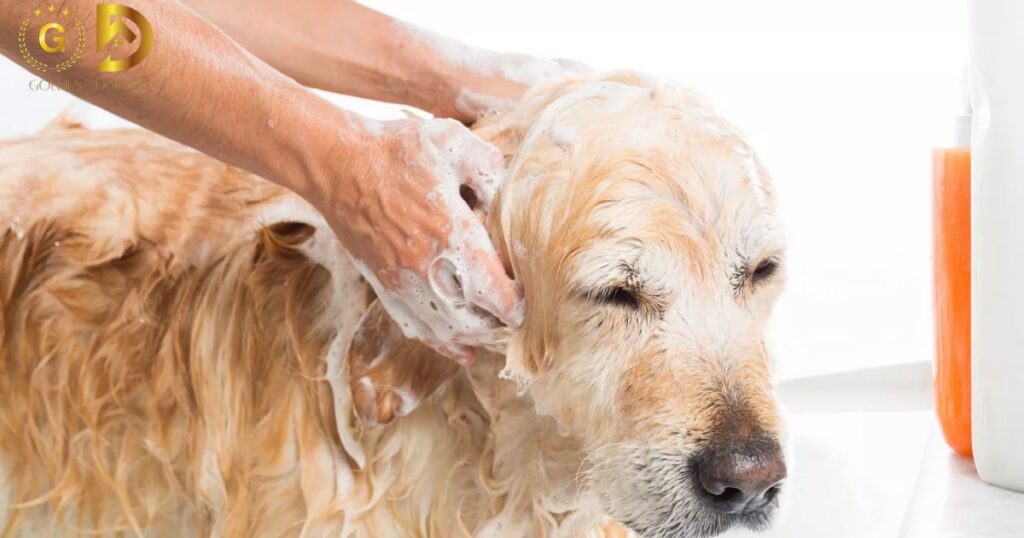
741 477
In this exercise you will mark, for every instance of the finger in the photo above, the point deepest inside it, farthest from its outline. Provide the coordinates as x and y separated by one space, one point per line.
411 311
464 355
496 292
471 161
483 172
428 329
485 338
486 284
408 314
448 277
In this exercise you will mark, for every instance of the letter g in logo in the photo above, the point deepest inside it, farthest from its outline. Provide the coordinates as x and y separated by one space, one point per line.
58 40
61 38
110 25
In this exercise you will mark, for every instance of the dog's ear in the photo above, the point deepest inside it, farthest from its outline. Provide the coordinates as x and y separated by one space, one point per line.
389 374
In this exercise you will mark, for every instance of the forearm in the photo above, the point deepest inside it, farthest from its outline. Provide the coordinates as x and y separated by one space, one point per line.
333 45
390 191
341 46
200 88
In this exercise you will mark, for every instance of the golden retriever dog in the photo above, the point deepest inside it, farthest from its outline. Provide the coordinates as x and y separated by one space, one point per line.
186 351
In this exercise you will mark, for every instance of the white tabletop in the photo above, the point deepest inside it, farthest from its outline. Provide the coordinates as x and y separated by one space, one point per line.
860 471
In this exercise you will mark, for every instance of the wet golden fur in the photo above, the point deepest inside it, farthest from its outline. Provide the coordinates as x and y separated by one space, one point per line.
173 335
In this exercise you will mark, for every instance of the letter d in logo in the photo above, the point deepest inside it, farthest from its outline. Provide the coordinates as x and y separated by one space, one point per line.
110 24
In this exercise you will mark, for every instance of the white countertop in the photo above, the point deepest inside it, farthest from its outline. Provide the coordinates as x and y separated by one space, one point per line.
950 501
867 460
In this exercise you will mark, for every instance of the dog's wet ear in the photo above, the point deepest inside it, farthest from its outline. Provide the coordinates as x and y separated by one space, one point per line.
389 374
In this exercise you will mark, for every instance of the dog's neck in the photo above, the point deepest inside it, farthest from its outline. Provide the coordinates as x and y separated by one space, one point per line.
535 462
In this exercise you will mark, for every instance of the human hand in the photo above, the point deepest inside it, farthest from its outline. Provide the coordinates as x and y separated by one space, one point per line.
402 218
496 86
454 80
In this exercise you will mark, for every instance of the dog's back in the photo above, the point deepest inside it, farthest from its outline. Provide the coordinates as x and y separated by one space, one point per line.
173 338
136 286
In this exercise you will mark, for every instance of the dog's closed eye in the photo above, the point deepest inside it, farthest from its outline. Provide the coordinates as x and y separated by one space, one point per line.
639 298
619 296
621 286
764 270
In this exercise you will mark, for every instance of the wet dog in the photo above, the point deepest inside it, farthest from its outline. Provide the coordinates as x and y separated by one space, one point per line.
187 351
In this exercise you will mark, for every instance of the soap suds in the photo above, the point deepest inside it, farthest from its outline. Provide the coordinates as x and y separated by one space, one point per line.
479 105
324 249
439 307
563 136
409 401
522 68
754 174
614 96
337 378
16 227
556 122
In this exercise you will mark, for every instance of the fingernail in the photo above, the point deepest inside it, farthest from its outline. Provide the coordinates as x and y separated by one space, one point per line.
467 357
517 315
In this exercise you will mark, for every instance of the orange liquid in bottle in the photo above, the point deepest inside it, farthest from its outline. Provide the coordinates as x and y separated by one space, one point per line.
952 250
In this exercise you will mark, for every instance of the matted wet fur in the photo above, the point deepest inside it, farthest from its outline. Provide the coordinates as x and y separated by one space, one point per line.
186 350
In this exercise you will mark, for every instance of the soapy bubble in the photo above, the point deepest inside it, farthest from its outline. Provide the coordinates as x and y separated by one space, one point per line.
452 299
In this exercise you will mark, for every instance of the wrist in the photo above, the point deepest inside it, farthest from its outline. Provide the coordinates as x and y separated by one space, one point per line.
419 77
452 80
317 149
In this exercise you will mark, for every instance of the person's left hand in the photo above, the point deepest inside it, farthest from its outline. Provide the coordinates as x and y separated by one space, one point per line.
397 208
480 93
457 81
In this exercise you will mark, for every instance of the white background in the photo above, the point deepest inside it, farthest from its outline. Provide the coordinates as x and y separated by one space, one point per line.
843 100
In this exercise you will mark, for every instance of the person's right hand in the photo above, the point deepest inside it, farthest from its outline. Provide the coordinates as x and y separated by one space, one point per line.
400 215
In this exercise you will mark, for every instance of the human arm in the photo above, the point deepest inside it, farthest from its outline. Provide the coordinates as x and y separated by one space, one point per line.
344 47
199 87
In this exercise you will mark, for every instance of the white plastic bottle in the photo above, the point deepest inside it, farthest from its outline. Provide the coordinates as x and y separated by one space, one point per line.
996 33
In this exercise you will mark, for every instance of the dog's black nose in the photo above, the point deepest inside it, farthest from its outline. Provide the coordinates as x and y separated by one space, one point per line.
738 478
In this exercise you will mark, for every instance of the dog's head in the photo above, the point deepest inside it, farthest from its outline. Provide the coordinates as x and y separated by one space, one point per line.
643 231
